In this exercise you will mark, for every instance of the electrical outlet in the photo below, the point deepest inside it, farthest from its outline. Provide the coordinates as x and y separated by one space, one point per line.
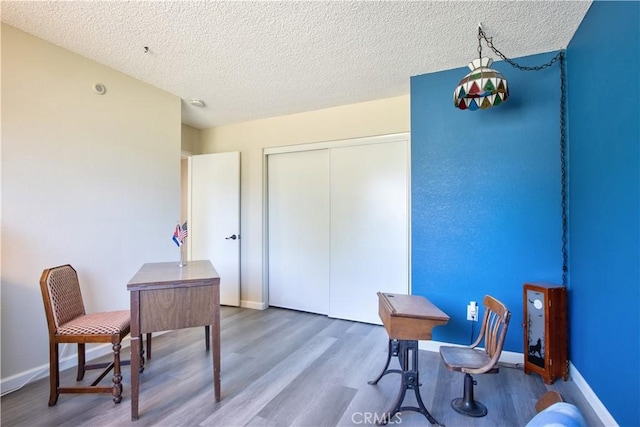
472 311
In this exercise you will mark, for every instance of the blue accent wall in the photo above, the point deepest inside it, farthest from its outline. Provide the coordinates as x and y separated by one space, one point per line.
486 213
486 204
604 115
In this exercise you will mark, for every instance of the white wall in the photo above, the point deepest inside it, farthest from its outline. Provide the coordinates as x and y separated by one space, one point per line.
380 117
91 180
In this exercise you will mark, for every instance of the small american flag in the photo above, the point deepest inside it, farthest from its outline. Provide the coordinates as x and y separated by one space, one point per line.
180 233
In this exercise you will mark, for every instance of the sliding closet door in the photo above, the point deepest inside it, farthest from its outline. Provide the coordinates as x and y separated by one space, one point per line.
298 209
369 227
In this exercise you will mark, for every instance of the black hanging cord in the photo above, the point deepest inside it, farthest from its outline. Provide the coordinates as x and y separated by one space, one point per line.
563 167
489 41
563 135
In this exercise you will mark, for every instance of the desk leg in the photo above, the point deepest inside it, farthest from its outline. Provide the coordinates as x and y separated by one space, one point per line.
393 351
215 337
135 375
410 381
136 348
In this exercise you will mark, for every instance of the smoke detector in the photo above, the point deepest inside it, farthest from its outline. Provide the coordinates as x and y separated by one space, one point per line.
197 102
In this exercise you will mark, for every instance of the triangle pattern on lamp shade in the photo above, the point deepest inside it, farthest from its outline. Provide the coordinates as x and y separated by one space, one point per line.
486 102
488 86
482 88
474 89
480 102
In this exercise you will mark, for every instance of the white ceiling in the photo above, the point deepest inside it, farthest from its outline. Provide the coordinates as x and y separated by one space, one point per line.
257 59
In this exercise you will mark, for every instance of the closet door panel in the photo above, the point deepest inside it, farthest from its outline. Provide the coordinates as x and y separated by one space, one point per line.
369 227
298 197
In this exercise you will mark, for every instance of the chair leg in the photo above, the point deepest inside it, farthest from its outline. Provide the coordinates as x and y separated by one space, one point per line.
148 346
141 355
466 404
54 373
117 376
81 362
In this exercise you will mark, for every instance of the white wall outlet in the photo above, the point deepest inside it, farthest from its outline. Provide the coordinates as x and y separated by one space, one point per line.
472 311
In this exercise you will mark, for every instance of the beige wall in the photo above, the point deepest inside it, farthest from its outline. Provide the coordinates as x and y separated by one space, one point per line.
91 180
380 117
190 143
190 140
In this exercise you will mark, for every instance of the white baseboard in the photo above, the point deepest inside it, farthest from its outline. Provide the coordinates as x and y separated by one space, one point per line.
255 305
517 359
598 407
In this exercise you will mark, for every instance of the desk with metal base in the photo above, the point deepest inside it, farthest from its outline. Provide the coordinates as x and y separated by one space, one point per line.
407 319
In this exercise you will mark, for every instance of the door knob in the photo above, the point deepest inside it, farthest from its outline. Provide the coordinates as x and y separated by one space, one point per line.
232 237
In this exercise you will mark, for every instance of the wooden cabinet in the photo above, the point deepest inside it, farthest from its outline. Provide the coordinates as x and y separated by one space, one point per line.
545 331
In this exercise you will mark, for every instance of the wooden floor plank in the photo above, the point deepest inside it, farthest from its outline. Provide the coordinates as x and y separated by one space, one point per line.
240 409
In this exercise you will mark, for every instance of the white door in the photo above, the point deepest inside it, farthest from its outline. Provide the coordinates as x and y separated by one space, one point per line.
369 227
214 218
298 194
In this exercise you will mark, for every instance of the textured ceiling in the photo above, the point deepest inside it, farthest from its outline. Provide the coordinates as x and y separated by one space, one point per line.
250 60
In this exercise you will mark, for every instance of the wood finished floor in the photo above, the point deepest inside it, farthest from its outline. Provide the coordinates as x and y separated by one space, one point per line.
283 368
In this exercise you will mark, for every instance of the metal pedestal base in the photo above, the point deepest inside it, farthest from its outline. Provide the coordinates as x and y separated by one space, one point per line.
407 352
466 405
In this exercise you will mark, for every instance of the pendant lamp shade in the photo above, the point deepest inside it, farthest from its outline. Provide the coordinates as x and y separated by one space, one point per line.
482 88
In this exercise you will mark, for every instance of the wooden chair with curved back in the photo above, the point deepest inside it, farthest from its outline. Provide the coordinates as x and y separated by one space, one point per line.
472 360
69 323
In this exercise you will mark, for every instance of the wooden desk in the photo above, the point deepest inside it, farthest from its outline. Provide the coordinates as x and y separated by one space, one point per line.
407 319
165 296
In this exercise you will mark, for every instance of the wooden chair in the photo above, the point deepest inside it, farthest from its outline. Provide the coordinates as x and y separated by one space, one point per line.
69 323
472 360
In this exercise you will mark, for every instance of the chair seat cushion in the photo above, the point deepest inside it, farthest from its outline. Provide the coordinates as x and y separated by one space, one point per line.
461 358
105 323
